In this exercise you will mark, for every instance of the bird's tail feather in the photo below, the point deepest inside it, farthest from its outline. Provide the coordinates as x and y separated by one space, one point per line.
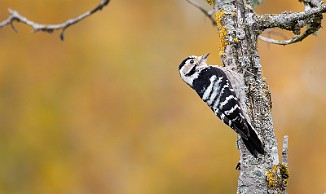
253 143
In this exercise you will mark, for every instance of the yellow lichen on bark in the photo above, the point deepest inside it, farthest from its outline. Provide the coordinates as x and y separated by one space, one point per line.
222 30
284 171
277 177
272 177
211 2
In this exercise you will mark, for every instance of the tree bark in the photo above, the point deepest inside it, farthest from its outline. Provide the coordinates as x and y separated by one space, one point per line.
239 51
239 27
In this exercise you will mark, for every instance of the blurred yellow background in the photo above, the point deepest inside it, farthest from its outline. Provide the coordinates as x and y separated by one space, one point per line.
105 111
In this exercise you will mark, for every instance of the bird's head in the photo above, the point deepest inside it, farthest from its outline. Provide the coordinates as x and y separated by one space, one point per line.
190 67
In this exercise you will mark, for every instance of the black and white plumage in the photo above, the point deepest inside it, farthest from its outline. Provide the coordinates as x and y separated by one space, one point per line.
216 86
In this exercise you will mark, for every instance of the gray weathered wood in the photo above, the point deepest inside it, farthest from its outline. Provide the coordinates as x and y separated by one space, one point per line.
239 27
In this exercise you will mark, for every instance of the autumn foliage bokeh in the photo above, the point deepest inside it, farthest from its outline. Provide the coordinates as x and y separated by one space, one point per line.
105 111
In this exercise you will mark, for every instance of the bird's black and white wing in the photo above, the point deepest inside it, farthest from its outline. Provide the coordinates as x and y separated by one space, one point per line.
220 89
214 88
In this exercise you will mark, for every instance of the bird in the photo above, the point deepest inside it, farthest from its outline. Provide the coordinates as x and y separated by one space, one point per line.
220 90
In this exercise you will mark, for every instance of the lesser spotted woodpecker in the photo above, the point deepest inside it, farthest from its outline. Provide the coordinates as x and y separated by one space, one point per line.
218 88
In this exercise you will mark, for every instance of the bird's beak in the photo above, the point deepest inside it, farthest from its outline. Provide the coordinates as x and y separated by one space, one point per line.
203 57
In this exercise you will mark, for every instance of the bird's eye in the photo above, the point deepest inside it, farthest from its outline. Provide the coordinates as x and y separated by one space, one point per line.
192 61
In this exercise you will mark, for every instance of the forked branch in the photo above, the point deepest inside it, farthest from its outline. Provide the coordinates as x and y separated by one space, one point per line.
49 28
292 21
311 18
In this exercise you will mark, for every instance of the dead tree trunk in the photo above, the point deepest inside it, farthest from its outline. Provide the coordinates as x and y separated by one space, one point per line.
239 28
238 34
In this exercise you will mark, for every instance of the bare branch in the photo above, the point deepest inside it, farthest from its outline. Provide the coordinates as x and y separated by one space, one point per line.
288 20
286 42
284 166
285 151
295 21
16 17
311 3
209 14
